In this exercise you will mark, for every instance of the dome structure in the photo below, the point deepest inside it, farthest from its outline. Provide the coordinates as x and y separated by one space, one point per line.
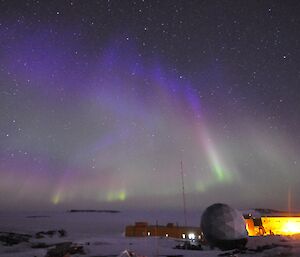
224 227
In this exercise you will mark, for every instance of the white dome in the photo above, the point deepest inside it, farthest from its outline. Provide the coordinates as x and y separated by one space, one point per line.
221 222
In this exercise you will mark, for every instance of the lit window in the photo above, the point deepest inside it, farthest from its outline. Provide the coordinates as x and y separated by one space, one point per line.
183 236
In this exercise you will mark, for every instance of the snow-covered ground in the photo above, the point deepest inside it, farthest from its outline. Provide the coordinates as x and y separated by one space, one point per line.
102 234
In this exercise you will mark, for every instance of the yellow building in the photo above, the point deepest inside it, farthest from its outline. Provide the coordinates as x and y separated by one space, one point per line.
273 225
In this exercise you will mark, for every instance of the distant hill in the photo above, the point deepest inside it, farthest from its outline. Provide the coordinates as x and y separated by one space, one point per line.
269 211
99 211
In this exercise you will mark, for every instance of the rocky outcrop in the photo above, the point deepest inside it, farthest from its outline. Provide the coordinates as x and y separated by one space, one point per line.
9 238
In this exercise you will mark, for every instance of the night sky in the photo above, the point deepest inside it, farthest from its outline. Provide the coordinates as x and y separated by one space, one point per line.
101 100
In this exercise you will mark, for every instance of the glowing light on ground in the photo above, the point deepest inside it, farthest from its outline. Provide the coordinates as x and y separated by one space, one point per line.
291 227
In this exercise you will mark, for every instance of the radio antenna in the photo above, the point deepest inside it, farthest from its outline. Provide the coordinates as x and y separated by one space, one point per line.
183 193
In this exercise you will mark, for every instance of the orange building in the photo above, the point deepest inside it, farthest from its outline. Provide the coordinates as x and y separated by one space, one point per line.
142 229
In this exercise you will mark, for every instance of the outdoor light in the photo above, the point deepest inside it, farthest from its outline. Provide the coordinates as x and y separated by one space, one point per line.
191 236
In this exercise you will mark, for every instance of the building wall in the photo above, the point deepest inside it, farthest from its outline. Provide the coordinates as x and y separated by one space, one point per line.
281 225
141 229
273 226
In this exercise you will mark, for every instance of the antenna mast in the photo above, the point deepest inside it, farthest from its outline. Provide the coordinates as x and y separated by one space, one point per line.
183 194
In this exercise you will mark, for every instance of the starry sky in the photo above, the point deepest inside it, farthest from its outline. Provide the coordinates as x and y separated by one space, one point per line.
100 101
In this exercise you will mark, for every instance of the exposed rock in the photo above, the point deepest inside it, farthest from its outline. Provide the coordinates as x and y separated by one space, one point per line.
62 232
63 249
50 233
9 238
40 245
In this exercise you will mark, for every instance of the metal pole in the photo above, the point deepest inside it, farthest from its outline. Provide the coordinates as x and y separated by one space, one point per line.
183 194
